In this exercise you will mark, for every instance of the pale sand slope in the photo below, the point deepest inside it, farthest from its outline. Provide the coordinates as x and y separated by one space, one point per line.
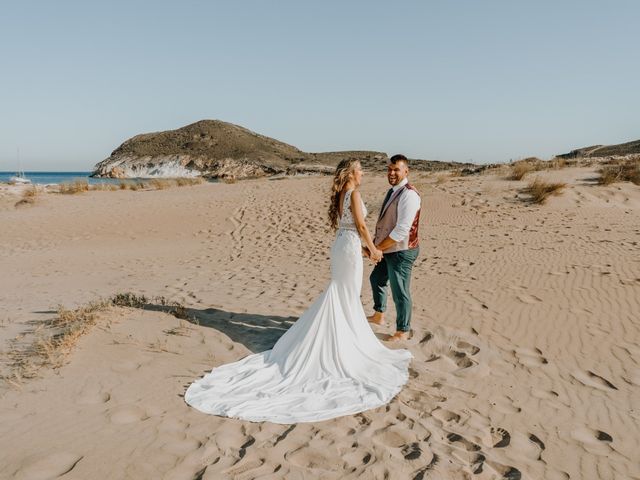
527 362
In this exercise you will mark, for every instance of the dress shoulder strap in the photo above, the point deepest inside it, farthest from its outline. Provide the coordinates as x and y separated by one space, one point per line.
347 197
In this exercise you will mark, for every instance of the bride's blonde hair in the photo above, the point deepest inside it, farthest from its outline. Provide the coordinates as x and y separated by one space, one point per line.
340 178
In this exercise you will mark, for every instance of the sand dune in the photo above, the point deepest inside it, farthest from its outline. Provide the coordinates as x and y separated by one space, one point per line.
526 338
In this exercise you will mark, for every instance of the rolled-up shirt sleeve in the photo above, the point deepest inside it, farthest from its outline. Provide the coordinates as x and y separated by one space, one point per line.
408 206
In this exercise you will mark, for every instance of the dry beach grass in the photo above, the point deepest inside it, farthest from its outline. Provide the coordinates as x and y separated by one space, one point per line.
620 171
539 190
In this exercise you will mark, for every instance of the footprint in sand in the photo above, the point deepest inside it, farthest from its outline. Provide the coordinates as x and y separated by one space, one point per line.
93 398
417 451
589 435
460 359
466 347
210 454
445 416
248 470
496 437
529 357
127 414
50 466
412 451
505 405
473 460
447 353
394 436
92 394
315 458
181 447
172 425
528 445
125 366
467 444
593 441
420 400
532 447
506 472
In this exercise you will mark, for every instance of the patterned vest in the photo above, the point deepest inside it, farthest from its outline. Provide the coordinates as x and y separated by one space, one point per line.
389 218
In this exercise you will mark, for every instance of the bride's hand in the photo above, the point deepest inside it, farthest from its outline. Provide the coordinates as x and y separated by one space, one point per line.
376 255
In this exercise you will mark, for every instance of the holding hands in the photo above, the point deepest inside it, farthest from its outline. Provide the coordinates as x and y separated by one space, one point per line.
375 255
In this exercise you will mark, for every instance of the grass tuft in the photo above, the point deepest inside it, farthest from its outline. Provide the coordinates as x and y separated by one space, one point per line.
161 183
539 190
189 181
29 197
108 187
519 170
129 299
75 187
625 171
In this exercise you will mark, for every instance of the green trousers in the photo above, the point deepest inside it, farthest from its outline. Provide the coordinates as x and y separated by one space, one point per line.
395 269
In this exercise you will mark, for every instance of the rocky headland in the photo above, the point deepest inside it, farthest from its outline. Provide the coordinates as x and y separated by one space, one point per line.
217 149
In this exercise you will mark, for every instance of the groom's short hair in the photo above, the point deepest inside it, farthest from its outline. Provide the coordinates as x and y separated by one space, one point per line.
398 157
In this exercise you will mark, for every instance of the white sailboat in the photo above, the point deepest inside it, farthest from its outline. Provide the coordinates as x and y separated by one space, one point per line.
19 177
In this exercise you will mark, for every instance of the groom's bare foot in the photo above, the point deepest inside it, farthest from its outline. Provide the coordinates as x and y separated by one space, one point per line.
399 335
377 318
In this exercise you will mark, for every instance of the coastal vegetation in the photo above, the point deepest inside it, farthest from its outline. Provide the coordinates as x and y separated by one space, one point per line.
29 197
52 341
540 190
81 186
519 169
627 170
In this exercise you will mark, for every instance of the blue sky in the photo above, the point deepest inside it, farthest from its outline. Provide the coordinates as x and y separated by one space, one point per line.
454 80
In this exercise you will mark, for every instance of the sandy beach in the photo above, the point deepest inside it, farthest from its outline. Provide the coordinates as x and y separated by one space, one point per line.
526 335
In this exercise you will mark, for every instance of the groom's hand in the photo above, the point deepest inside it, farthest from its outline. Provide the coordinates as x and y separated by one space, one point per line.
366 252
376 256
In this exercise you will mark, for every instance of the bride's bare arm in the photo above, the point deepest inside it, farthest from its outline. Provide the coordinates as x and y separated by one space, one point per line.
358 219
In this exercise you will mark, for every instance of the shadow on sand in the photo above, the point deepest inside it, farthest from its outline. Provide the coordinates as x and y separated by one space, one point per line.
256 332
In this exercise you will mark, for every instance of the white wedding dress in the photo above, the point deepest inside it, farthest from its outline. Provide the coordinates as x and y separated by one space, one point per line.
328 364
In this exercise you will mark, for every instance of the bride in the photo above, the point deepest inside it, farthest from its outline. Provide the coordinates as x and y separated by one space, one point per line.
329 363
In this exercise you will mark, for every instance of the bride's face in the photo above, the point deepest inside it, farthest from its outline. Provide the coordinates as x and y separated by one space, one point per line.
356 175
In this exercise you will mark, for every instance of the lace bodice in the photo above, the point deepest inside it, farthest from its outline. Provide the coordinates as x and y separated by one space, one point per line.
346 220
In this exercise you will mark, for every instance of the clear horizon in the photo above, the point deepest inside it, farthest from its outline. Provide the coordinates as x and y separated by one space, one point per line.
454 81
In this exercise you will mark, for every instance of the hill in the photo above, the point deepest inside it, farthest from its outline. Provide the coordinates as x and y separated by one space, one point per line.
217 149
621 149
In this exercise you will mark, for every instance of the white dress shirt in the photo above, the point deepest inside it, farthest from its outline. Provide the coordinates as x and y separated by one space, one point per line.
408 206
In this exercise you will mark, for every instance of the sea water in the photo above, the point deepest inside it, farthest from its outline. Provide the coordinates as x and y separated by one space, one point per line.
45 178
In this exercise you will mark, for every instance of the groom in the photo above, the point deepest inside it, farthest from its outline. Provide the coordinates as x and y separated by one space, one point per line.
397 236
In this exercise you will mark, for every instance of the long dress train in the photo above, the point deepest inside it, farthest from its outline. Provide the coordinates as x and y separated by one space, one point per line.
328 364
